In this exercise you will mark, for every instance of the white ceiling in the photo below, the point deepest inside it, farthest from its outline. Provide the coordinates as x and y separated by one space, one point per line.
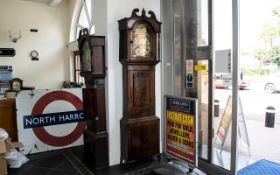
48 2
41 1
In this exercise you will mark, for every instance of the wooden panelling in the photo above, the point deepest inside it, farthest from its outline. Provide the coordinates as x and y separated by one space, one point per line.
8 119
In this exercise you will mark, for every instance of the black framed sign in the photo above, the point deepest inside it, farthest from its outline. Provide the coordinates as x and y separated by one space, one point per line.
7 52
181 129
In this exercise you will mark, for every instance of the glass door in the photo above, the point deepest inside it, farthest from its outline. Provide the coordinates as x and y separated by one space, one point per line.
189 69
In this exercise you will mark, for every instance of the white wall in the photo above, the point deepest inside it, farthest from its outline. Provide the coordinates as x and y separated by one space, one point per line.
100 17
117 10
50 41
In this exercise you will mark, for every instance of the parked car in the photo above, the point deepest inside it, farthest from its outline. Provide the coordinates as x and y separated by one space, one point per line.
220 84
242 84
272 83
225 81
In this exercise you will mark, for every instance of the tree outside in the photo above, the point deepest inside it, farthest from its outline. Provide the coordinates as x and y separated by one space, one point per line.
268 53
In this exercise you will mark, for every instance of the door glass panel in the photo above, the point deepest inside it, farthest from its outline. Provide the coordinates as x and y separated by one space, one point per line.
222 83
178 53
203 107
202 22
194 71
259 71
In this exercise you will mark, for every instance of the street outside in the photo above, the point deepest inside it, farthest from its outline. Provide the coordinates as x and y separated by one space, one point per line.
264 142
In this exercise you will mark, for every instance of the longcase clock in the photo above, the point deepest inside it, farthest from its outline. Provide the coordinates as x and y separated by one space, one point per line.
139 53
92 54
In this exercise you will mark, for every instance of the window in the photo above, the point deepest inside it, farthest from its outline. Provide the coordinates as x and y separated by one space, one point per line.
77 68
84 19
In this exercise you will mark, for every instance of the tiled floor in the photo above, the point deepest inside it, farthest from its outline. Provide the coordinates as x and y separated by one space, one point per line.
71 162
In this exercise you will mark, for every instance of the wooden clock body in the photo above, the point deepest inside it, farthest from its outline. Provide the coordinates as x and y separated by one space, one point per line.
92 53
139 53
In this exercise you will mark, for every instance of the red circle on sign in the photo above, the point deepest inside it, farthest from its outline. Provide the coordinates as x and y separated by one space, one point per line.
39 107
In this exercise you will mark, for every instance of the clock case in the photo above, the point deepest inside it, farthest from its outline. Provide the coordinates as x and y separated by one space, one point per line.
140 127
126 26
94 103
97 50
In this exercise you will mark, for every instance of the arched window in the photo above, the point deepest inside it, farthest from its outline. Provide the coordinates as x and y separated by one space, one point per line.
83 19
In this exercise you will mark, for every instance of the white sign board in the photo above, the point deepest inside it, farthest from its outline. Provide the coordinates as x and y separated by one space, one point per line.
223 61
50 119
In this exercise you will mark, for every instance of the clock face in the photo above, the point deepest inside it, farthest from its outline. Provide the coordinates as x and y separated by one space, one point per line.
141 41
16 86
34 53
86 56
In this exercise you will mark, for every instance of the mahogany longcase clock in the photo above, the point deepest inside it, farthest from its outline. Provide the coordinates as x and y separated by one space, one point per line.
139 53
92 54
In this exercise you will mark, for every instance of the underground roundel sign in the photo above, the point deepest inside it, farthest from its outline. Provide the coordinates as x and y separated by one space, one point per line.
38 120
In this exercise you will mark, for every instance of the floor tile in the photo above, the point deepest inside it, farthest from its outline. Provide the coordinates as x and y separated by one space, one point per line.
70 161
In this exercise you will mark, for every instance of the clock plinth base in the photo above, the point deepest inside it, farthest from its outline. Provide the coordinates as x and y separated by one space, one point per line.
96 149
139 138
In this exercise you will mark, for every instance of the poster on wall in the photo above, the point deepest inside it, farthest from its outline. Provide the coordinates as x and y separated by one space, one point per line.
6 74
50 119
181 129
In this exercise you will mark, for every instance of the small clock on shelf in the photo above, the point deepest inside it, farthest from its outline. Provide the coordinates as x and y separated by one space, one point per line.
15 84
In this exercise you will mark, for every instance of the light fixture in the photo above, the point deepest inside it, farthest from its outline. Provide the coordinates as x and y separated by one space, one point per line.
14 39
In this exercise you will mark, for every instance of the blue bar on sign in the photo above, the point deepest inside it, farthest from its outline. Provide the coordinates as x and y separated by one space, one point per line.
34 121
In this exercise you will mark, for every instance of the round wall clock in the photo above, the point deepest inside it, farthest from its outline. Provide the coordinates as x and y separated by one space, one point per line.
34 55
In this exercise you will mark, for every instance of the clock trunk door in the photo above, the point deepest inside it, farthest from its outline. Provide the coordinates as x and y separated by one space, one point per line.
141 91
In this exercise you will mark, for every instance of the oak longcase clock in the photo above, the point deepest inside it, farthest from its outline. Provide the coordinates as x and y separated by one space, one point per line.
139 53
92 54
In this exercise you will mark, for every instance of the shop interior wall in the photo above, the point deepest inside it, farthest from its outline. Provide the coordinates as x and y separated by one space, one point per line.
50 41
117 10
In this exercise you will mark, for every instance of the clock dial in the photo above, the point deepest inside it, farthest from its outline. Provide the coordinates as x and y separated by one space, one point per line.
86 56
141 41
34 53
16 86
